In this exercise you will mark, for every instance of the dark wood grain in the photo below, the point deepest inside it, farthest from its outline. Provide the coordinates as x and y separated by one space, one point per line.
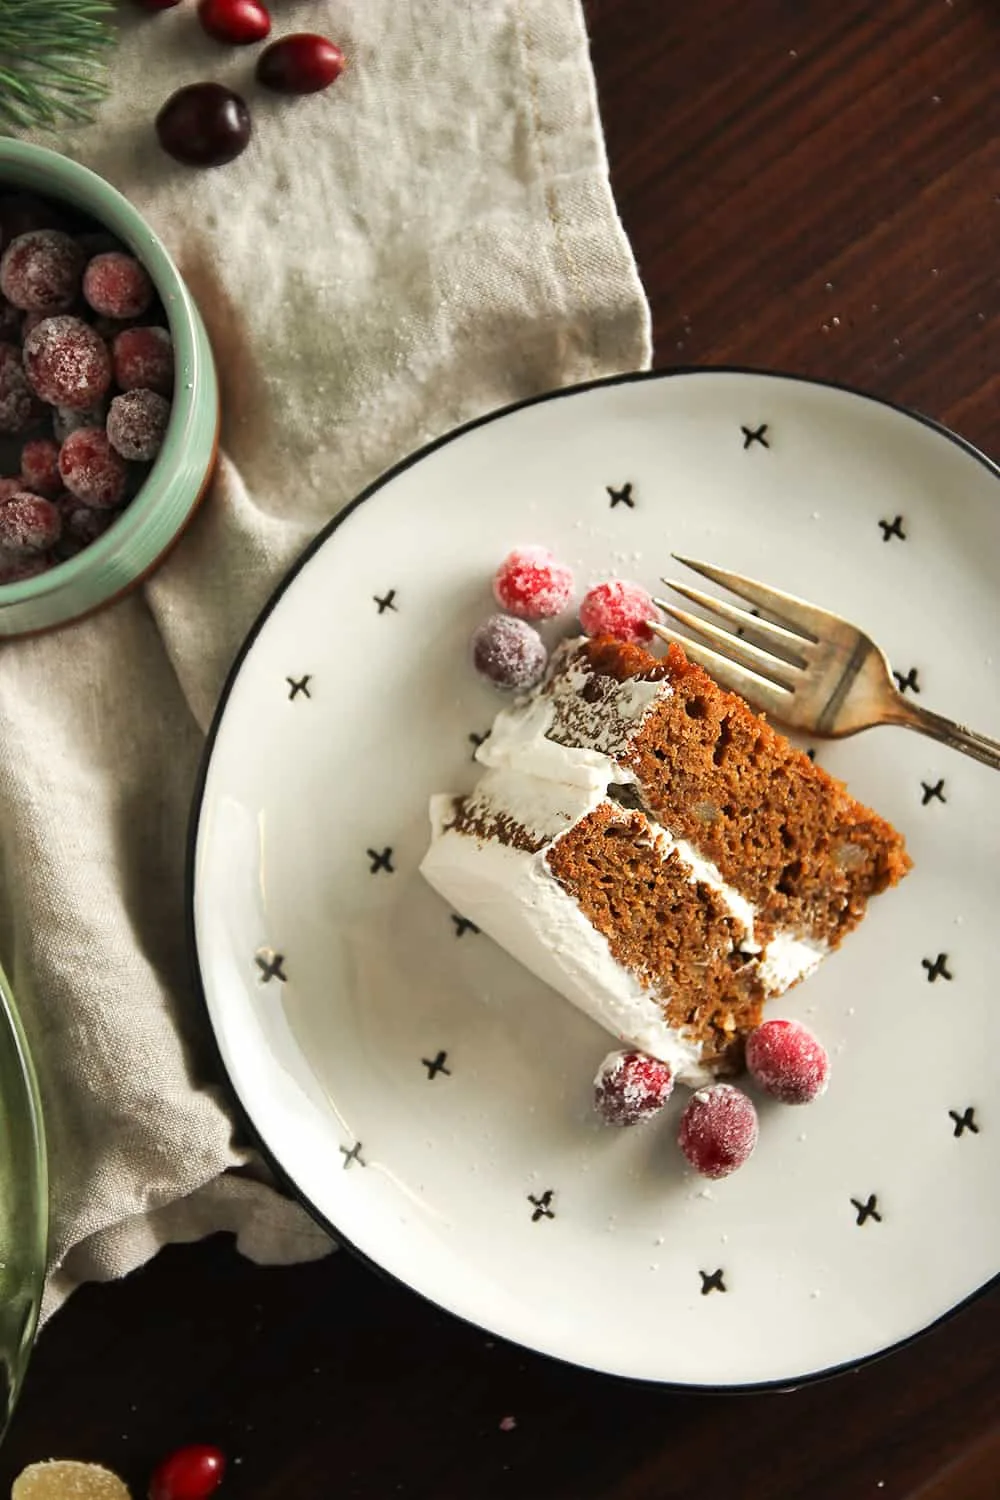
808 186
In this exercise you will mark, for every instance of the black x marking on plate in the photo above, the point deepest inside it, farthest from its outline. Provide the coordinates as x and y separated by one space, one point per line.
711 1283
622 496
543 1209
270 965
908 682
753 435
964 1121
387 603
893 528
938 969
475 740
811 752
867 1210
299 685
436 1065
463 925
381 861
352 1156
930 793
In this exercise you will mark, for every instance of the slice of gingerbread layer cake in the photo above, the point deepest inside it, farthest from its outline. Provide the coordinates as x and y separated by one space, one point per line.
651 848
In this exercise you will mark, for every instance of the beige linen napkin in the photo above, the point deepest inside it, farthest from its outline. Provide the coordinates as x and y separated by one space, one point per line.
431 238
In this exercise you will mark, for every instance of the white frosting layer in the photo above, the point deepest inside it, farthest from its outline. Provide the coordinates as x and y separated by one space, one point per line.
511 895
545 788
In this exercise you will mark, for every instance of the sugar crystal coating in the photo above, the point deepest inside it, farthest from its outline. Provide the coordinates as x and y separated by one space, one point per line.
144 358
619 609
41 270
116 285
67 363
532 584
64 1479
718 1130
509 652
136 424
630 1087
28 523
787 1061
91 469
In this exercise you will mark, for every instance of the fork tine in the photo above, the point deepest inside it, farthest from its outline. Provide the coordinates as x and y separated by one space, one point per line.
805 618
777 635
761 692
762 662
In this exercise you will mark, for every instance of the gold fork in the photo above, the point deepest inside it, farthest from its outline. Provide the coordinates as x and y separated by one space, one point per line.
821 674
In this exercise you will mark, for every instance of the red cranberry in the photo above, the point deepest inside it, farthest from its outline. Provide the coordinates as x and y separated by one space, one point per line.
41 271
18 407
532 584
619 609
509 653
144 359
718 1130
302 63
40 467
630 1087
67 363
787 1061
191 1473
116 285
204 125
91 469
235 21
28 524
136 424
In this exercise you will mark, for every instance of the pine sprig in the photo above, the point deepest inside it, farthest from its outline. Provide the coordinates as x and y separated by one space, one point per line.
51 55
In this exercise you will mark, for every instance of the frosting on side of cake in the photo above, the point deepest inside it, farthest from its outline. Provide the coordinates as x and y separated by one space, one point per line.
488 855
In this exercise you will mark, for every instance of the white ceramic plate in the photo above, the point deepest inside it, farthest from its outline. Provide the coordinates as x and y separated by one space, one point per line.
336 979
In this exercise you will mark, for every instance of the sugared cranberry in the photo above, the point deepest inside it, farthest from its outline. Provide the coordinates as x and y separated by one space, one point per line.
116 285
787 1061
40 467
204 125
192 1473
144 358
91 469
302 63
619 609
718 1130
67 363
630 1086
136 424
531 584
237 22
510 653
18 407
41 271
28 524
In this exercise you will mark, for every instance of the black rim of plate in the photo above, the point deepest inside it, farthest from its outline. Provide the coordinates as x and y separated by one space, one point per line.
283 1174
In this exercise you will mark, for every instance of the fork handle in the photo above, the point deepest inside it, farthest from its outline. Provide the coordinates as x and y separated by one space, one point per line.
979 746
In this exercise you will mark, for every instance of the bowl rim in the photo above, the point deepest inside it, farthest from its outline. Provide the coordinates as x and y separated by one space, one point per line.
22 164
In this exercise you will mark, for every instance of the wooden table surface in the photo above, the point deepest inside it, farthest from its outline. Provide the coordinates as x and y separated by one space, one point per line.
810 187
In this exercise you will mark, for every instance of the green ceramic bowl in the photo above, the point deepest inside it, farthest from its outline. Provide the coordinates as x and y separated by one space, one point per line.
148 527
24 1209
